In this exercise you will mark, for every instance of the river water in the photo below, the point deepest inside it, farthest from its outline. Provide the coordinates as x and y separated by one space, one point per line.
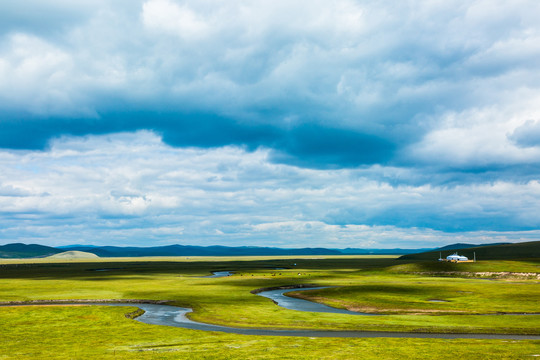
218 274
291 303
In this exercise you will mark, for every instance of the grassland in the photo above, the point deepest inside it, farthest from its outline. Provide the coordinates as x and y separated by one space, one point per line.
377 284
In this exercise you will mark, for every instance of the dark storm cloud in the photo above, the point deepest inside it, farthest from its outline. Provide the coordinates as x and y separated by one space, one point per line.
306 145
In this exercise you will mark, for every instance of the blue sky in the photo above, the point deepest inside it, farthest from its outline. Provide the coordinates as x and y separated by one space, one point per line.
273 123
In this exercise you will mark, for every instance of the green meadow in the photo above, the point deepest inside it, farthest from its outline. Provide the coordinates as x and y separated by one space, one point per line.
414 296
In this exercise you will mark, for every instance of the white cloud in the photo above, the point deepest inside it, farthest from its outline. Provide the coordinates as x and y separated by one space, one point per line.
169 17
478 138
36 75
357 59
133 189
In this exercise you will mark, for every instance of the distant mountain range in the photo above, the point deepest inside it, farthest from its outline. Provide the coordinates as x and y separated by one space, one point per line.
18 250
191 250
36 251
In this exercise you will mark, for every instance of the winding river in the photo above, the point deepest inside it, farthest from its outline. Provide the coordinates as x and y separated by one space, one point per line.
175 316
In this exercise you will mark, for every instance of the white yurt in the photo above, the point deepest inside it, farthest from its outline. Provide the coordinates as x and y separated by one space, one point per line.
456 257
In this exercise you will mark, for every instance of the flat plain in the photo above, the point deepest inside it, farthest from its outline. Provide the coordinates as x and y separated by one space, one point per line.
412 296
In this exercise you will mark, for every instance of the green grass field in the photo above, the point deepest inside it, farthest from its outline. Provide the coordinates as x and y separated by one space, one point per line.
375 284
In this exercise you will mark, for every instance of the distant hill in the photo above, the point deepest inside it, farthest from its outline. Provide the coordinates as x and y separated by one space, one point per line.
463 246
18 251
73 255
523 250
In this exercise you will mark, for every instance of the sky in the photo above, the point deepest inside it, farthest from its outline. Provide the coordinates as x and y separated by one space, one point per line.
365 124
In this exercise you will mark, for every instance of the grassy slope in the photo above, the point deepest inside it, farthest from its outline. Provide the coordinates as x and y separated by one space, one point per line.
524 250
99 332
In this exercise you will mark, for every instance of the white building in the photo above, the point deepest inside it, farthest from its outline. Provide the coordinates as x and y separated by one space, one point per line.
456 257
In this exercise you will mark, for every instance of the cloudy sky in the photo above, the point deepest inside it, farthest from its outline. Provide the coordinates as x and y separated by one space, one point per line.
271 123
